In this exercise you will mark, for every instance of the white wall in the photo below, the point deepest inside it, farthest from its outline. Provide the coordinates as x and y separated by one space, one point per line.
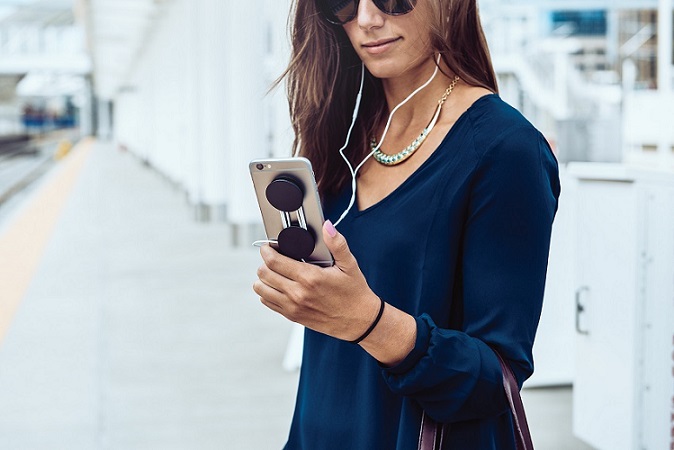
648 125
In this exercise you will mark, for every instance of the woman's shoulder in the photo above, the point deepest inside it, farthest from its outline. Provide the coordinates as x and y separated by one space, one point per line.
494 122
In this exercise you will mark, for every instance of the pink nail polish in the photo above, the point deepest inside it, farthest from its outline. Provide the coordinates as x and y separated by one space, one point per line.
330 228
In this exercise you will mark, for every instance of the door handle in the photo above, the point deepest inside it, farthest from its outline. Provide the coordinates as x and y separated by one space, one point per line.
580 309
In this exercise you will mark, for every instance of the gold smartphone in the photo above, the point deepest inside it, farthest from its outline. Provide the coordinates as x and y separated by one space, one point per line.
291 209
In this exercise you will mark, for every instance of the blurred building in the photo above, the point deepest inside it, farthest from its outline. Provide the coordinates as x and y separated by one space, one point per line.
639 40
44 69
585 72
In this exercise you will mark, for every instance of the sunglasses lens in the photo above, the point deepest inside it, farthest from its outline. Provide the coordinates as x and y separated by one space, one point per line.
338 11
395 7
342 11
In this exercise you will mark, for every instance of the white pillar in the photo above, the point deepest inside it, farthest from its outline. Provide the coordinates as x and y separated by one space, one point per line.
147 149
167 58
665 46
278 54
191 154
561 77
209 33
244 138
665 69
86 109
104 131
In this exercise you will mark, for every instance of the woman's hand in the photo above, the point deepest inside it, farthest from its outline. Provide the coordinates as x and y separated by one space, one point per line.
336 300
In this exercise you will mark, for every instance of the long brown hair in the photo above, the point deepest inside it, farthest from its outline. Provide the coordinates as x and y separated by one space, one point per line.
324 75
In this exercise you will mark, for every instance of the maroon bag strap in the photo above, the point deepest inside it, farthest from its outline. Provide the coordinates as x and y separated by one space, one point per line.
520 424
431 434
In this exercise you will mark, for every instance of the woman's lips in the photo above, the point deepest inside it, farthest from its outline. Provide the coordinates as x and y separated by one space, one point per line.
379 46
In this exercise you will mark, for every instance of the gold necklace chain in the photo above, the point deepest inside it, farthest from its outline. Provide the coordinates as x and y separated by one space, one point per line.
392 160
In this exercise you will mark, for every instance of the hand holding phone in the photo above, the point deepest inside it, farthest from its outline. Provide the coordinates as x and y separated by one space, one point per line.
291 210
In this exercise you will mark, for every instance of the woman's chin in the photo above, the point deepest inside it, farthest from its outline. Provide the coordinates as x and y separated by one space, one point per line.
383 70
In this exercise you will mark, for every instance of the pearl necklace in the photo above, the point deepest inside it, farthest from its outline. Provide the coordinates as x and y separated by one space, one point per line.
392 160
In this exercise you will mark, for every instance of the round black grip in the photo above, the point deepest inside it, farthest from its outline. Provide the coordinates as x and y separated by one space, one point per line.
285 194
296 242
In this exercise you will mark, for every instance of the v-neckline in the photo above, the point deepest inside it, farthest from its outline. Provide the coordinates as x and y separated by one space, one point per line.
423 165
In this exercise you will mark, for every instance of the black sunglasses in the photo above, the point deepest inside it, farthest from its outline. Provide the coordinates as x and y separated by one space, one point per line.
339 12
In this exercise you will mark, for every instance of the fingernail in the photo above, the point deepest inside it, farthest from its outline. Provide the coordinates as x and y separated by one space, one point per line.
330 228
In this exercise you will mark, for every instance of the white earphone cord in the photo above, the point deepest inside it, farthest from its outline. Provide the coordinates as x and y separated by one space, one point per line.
388 124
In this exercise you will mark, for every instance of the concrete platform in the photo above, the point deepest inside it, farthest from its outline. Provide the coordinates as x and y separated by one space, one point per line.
139 329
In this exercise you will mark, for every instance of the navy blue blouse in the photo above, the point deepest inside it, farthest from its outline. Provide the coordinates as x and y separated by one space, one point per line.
471 225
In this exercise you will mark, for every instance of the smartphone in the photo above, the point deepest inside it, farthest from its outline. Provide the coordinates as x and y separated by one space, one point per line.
291 208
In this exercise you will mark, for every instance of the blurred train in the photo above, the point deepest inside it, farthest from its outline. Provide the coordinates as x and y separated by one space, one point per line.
39 119
15 144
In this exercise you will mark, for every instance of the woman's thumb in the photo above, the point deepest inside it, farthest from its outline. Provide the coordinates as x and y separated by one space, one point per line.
337 245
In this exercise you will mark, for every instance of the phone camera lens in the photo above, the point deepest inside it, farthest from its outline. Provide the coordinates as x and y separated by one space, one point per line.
259 166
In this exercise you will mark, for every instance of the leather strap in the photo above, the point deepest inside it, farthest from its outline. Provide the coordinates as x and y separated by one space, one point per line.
512 390
431 434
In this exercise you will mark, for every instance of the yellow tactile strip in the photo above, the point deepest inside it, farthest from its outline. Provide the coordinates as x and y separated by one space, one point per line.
23 242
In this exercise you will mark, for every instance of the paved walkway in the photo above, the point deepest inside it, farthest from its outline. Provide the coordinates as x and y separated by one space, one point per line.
140 329
136 327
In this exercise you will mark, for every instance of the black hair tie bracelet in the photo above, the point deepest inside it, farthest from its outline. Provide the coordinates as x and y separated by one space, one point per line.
374 324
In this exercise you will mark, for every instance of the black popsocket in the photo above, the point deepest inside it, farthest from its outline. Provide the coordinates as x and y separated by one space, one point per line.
295 242
285 194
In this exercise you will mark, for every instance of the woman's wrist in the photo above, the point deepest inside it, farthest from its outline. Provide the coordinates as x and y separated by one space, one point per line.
373 325
393 338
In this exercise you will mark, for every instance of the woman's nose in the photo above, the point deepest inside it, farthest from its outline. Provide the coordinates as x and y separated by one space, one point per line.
369 16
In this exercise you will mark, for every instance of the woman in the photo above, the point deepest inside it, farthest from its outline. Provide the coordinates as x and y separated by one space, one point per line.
447 241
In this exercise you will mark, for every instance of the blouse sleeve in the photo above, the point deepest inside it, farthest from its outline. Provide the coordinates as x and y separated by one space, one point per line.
455 375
